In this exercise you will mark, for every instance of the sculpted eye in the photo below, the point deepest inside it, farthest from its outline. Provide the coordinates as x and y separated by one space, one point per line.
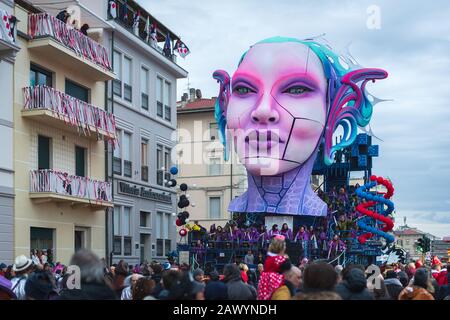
242 90
297 90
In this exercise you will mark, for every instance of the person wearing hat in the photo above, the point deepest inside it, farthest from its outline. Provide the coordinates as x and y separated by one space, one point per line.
22 267
5 289
437 272
421 289
393 284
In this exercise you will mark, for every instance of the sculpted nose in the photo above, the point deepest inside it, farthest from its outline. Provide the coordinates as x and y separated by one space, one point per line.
264 113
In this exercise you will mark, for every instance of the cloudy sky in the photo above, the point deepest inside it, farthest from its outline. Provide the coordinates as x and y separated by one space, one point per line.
411 40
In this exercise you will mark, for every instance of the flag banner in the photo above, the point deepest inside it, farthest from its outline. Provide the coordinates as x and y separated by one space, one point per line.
113 9
55 181
167 46
44 25
72 111
182 49
6 32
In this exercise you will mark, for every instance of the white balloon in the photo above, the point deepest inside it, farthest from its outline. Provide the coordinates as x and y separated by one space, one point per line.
188 196
174 214
187 220
194 185
193 204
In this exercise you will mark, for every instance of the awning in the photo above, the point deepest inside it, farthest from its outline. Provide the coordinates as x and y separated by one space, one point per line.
85 14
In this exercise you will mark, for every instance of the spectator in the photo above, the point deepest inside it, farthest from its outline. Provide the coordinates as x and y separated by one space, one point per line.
354 284
444 291
244 269
84 28
199 276
215 289
318 277
130 283
40 285
3 268
120 274
249 259
92 281
421 288
157 277
169 281
259 271
403 277
236 288
63 16
292 281
142 289
393 284
22 268
5 289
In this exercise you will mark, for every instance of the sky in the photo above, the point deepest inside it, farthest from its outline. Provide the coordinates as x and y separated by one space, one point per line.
409 39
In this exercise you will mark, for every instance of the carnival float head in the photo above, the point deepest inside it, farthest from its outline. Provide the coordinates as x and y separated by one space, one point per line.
287 97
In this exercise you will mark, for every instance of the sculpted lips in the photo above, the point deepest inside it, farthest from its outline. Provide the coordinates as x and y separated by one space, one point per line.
264 139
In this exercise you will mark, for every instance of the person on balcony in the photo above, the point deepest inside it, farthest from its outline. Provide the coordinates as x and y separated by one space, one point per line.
84 28
274 231
63 16
337 246
302 236
263 234
286 232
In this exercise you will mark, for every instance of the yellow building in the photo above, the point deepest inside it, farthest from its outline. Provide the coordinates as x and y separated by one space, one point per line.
59 131
212 182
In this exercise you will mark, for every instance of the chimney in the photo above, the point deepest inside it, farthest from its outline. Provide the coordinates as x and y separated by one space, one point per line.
184 97
191 94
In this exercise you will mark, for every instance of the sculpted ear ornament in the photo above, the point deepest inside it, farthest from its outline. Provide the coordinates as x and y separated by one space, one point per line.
223 78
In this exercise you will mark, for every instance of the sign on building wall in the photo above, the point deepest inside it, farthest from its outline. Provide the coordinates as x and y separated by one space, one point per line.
279 220
183 257
143 192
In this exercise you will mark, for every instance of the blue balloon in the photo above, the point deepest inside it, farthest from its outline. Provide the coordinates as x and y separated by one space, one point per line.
174 170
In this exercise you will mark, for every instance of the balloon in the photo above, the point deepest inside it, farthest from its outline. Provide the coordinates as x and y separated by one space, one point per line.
183 197
193 204
182 232
174 214
178 222
174 170
173 182
187 221
183 187
185 214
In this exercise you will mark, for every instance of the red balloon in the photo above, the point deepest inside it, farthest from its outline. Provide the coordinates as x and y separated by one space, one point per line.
182 232
373 178
178 223
380 180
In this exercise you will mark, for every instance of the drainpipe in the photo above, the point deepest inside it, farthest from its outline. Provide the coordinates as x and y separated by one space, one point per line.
108 253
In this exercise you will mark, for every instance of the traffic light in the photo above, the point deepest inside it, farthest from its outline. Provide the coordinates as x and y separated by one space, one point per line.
420 245
427 244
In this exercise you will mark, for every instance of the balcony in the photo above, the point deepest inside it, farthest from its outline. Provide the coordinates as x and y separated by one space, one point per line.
53 38
56 186
47 105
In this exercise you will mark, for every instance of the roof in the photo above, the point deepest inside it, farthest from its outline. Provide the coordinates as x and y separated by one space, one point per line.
199 105
408 232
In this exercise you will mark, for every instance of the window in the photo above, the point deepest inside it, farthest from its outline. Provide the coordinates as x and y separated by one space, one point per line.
163 242
159 97
214 167
127 246
159 247
77 91
80 161
126 150
44 152
214 207
159 161
40 77
167 109
117 83
127 76
167 244
116 221
144 88
213 130
126 221
144 160
144 219
117 163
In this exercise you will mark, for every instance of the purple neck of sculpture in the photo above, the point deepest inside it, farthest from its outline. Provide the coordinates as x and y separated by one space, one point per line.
287 193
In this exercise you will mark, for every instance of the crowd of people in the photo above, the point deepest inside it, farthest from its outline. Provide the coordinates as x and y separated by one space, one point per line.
277 278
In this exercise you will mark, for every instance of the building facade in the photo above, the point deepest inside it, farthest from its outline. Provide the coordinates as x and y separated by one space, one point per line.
406 237
141 227
212 182
8 50
60 129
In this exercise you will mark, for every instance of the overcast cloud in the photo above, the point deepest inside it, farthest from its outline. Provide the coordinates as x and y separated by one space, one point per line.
413 45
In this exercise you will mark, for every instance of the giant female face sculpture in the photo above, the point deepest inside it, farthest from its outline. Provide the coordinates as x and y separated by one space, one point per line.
286 97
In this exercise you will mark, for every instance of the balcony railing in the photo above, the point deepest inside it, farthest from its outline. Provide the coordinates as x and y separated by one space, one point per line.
61 183
74 112
44 25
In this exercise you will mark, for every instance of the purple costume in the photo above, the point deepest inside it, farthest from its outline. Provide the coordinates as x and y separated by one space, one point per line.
287 234
336 247
301 236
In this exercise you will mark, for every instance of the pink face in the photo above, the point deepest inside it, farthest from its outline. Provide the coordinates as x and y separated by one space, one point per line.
277 109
